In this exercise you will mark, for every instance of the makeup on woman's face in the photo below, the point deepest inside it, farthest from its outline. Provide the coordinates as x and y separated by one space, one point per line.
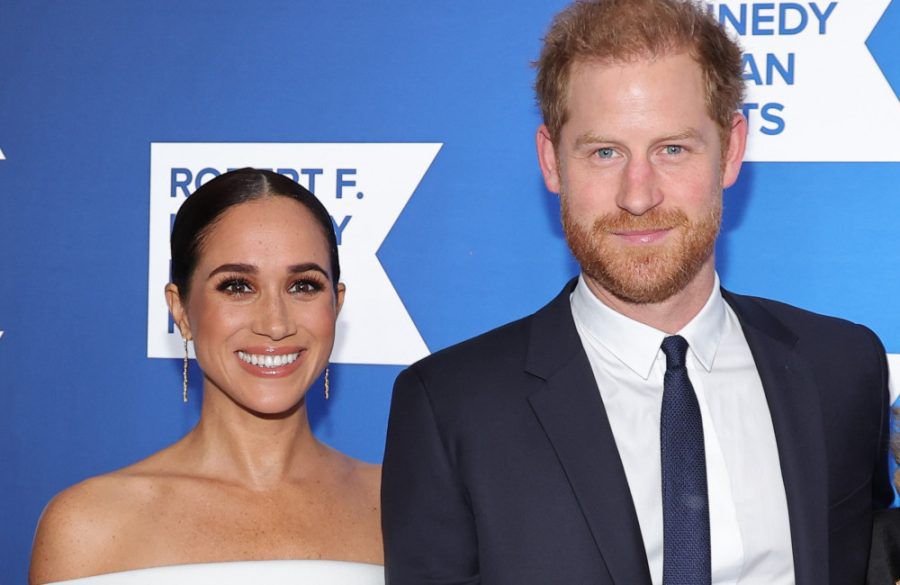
262 306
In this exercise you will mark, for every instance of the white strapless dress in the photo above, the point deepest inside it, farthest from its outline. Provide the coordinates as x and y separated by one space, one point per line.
251 572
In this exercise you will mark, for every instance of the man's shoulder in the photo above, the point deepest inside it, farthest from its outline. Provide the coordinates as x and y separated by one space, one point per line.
811 330
504 345
499 358
795 318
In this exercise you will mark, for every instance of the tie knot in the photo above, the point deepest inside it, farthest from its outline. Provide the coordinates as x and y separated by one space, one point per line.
675 348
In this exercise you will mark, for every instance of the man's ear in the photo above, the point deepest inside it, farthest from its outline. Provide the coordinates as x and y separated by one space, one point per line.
734 155
548 160
178 310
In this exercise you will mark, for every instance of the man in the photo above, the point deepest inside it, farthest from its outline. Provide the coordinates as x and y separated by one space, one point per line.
646 425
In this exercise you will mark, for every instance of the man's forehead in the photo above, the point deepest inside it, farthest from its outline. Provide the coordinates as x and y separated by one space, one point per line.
655 99
675 80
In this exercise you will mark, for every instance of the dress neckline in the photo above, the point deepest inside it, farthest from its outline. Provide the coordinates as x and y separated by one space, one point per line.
311 572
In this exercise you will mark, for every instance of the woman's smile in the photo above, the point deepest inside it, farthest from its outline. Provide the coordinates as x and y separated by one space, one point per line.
270 362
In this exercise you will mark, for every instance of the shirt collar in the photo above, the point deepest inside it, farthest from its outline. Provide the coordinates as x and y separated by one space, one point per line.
637 345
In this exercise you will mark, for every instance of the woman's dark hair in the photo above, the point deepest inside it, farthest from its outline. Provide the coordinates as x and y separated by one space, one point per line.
201 210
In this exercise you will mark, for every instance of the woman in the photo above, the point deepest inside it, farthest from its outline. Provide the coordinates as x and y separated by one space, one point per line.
255 288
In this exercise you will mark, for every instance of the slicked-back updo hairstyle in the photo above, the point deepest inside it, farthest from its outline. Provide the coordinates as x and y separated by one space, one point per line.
198 215
623 31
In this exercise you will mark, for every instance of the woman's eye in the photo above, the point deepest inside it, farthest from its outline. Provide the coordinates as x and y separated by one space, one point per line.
235 287
605 152
673 149
305 287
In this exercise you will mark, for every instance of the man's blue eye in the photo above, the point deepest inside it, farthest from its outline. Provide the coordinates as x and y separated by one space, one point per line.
605 152
674 149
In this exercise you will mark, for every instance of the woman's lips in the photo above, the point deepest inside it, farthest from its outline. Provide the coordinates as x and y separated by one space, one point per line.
643 236
269 362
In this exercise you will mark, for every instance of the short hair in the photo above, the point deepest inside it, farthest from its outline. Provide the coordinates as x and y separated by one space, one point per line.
205 206
631 30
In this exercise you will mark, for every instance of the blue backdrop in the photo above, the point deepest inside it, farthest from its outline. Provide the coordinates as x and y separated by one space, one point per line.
87 86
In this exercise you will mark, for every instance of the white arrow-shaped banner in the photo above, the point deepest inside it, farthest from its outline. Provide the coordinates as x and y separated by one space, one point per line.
814 91
364 186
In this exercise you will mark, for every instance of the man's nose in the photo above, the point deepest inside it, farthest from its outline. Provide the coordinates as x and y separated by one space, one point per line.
639 192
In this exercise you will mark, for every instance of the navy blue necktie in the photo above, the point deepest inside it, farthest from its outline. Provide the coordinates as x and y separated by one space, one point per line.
686 544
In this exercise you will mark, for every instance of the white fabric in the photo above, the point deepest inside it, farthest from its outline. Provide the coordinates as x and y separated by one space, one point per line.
749 528
246 572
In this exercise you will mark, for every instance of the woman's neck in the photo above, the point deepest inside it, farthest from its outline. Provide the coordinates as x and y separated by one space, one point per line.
231 443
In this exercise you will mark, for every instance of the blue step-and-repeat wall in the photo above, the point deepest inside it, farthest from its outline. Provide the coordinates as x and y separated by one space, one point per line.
414 123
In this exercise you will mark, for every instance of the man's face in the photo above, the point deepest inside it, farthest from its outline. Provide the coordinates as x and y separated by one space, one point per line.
639 168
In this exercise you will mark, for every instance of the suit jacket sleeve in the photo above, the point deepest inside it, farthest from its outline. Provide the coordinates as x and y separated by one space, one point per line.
882 490
429 530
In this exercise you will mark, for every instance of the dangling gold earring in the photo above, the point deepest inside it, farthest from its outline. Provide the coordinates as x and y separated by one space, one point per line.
184 373
326 383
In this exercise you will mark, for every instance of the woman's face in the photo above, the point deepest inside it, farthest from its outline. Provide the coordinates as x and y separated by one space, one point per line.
262 307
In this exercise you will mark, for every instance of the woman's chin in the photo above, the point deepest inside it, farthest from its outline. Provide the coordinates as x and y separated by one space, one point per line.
272 405
276 407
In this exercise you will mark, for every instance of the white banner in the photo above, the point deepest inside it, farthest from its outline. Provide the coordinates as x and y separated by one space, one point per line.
814 91
364 186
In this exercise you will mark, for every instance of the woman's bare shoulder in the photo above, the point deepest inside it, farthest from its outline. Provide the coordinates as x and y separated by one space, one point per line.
360 478
354 469
80 526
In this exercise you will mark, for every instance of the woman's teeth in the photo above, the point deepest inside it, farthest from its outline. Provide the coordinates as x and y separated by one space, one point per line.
268 361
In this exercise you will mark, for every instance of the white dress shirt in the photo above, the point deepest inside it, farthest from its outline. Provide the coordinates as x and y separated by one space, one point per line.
749 528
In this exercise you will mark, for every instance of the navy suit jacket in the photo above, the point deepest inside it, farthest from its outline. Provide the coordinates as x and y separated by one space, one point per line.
501 468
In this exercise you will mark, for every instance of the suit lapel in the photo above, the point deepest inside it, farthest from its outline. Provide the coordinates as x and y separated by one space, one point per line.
572 415
794 406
